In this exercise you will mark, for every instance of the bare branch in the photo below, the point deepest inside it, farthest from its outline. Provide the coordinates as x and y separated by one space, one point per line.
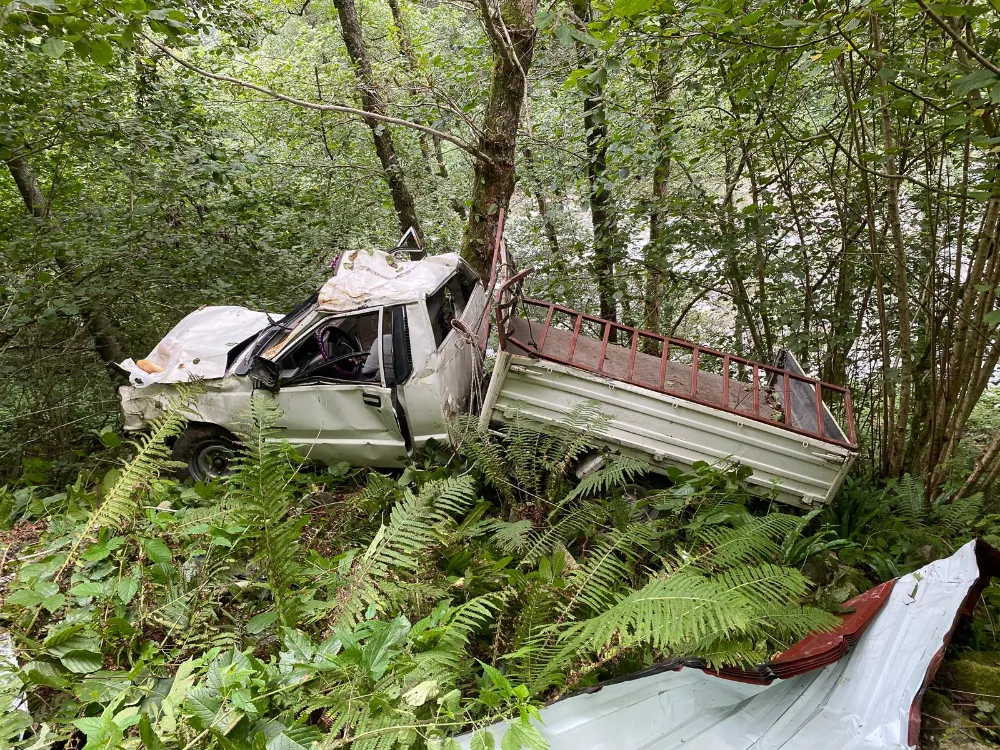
946 27
317 106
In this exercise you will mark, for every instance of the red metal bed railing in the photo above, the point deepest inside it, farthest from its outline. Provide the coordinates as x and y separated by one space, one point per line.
794 387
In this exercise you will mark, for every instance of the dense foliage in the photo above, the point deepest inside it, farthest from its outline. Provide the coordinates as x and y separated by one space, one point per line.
290 607
748 174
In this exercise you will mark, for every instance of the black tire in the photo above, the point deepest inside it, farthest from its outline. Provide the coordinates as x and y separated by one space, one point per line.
207 451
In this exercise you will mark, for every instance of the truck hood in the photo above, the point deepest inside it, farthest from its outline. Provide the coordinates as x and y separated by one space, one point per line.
197 347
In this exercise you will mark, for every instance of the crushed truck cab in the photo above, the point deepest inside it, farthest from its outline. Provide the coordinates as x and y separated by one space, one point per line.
365 371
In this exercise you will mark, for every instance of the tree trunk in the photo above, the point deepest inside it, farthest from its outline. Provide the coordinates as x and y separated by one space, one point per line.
407 51
654 254
98 322
372 100
549 227
493 180
602 210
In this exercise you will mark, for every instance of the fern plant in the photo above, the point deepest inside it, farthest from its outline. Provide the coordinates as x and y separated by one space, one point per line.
118 507
259 495
399 546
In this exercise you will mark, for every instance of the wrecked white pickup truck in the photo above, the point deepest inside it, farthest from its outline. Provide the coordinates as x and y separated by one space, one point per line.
374 365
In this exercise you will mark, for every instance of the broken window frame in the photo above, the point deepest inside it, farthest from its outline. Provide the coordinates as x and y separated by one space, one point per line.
308 331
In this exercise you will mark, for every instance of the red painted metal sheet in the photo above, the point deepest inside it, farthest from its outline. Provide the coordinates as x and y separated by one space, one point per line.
816 650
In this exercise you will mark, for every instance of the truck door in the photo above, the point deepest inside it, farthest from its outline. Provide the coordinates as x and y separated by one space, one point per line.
335 404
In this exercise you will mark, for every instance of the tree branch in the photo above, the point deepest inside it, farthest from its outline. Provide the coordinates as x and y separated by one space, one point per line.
316 106
946 27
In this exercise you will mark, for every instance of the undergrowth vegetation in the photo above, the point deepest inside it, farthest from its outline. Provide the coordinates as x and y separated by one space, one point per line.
283 609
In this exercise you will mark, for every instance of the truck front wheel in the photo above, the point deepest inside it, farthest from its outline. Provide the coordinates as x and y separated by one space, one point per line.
207 451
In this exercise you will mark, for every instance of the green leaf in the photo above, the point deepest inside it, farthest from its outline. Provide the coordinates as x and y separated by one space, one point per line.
483 740
149 738
420 694
82 662
260 623
87 590
62 635
54 48
75 642
54 602
974 81
101 52
25 598
992 318
630 8
127 588
157 550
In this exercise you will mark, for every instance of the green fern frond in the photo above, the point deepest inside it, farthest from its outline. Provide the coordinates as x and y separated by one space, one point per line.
619 471
910 498
118 507
510 537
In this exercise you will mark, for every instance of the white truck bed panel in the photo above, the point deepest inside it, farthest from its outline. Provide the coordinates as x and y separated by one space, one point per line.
670 431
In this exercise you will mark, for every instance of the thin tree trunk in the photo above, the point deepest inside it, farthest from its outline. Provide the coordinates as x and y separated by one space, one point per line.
655 251
512 36
548 226
602 210
98 322
373 101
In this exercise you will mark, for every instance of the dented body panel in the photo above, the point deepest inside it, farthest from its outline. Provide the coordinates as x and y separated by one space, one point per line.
358 414
668 431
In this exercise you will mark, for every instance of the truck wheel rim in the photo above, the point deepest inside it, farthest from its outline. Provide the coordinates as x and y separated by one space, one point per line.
212 462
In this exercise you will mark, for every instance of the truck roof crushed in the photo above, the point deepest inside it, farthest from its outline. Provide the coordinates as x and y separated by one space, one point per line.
856 688
365 278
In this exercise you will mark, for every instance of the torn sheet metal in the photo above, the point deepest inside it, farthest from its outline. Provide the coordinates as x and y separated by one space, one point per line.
365 278
867 700
197 346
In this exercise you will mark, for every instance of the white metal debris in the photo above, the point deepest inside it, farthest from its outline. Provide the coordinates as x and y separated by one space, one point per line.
197 346
367 277
862 702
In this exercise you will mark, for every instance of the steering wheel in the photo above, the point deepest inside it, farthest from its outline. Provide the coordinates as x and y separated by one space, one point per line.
341 351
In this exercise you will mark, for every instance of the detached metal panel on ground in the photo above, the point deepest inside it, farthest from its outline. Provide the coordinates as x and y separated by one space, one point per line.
670 431
868 700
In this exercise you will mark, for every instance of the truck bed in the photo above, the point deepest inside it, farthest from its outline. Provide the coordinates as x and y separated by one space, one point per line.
672 402
646 368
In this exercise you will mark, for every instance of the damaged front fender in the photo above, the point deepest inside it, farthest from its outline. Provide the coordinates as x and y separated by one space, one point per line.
221 402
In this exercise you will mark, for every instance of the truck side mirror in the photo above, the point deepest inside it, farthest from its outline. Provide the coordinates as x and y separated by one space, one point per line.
265 374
